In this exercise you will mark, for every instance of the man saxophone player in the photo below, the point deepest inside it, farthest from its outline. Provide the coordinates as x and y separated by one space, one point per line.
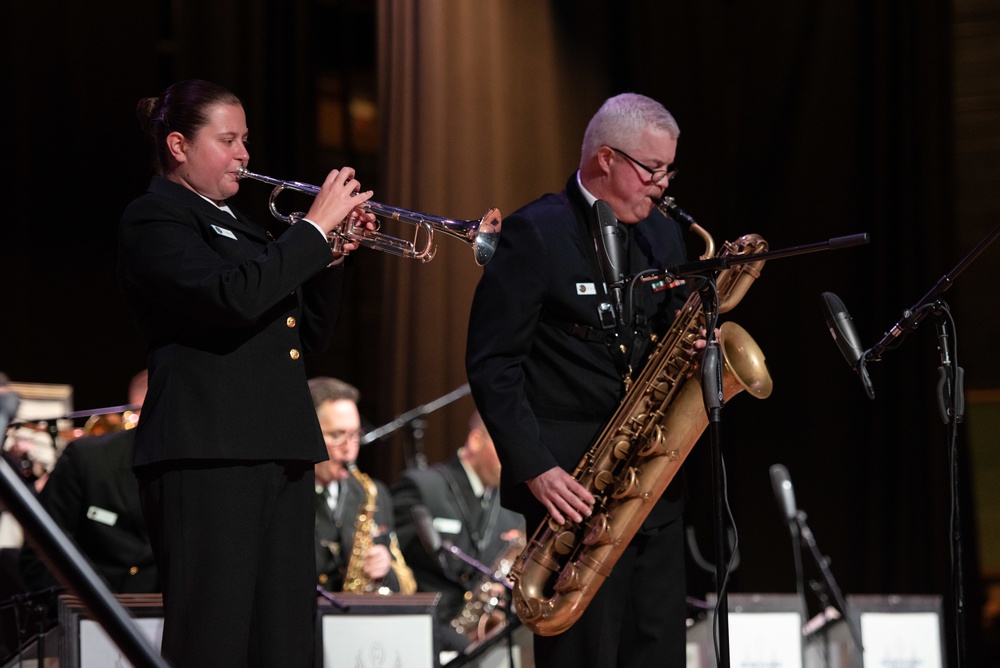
550 344
340 495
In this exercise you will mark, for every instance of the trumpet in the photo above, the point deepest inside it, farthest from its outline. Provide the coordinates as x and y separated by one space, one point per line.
481 234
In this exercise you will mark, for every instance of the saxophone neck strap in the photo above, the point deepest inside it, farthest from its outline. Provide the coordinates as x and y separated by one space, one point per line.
607 333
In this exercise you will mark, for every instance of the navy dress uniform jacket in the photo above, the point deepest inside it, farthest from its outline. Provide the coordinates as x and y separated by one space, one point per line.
93 496
227 315
544 377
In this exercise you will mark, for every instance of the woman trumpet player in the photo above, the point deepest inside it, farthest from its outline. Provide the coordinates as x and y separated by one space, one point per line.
225 449
354 545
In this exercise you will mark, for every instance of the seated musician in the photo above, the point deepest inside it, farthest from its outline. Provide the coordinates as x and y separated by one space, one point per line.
461 495
93 496
341 497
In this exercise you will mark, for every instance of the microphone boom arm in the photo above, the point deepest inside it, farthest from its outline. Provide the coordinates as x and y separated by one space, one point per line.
929 303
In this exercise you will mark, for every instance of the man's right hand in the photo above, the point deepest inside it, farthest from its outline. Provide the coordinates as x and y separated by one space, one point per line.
560 493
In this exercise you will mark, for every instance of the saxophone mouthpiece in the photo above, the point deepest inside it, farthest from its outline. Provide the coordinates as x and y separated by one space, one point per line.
668 206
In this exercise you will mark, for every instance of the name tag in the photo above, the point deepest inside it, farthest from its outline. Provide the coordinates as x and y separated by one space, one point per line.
103 516
586 289
223 232
448 525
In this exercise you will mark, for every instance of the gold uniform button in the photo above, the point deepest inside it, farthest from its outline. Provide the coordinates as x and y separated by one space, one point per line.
133 570
323 577
293 353
290 322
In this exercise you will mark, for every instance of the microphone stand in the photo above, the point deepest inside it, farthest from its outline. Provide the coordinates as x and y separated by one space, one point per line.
831 584
414 418
109 410
951 402
706 271
929 303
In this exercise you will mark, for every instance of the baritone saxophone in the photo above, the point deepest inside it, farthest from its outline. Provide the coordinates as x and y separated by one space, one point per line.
639 451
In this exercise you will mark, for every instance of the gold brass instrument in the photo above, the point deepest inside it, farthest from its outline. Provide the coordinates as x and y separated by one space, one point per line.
482 234
481 615
105 422
669 208
637 454
355 580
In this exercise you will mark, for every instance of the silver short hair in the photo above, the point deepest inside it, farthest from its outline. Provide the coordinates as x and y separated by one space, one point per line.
621 119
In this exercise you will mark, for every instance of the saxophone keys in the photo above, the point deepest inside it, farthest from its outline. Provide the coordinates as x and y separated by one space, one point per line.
569 579
622 447
604 480
654 446
629 486
565 542
598 530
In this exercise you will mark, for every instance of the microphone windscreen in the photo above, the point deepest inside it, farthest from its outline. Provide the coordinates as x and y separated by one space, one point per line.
783 491
841 326
612 259
429 537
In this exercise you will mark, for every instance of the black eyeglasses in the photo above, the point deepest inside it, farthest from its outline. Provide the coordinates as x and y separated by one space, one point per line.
655 175
339 438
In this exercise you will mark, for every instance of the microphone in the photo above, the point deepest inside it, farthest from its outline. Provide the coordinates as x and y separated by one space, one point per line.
611 254
783 491
435 546
429 537
841 326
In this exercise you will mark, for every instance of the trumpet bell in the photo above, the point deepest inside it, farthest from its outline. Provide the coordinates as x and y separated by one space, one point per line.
487 237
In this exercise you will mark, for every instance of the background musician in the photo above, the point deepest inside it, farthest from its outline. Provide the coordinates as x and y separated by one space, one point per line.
460 494
93 496
339 495
547 371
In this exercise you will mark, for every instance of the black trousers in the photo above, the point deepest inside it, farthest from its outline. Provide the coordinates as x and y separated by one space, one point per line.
637 617
234 546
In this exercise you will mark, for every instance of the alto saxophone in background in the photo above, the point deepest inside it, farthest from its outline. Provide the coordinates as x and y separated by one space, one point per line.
355 580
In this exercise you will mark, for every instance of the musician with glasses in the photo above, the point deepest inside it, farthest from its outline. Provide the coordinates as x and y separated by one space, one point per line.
225 449
549 357
340 496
